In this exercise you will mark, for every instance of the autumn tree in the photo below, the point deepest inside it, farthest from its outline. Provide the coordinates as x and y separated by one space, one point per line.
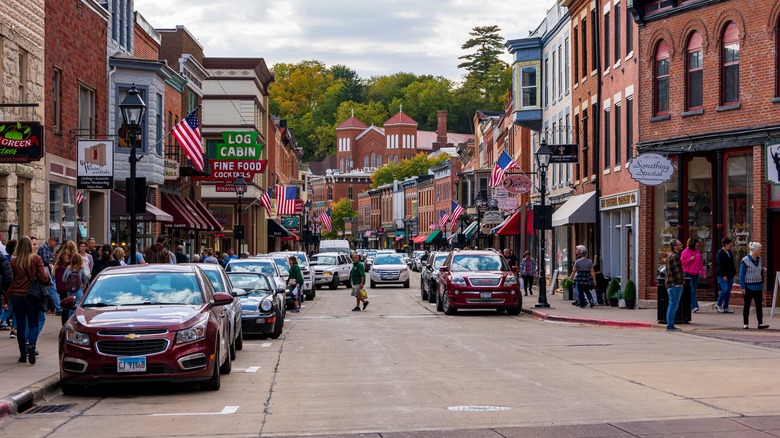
415 166
338 212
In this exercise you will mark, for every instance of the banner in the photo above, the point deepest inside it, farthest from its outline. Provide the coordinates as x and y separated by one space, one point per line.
95 164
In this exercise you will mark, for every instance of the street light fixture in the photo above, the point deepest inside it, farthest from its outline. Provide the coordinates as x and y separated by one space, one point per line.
543 155
307 232
240 186
479 202
133 109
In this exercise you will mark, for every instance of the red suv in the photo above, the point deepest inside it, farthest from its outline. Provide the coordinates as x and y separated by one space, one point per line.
478 280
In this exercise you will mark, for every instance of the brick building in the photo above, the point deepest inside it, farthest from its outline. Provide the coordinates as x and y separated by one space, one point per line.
364 220
426 205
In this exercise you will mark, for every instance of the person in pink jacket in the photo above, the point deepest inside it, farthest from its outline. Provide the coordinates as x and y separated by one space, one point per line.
693 267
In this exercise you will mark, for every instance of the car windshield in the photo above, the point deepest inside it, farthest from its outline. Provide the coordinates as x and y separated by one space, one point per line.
439 260
263 267
216 279
250 282
372 254
479 262
388 260
323 260
177 288
283 265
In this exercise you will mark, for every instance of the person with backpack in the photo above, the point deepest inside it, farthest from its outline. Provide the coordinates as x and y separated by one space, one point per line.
75 279
62 259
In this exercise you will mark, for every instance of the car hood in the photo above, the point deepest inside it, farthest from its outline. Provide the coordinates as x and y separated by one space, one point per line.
137 316
391 267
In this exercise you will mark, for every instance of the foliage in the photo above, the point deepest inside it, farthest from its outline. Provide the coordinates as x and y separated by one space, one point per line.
567 283
629 292
485 69
415 166
338 211
613 288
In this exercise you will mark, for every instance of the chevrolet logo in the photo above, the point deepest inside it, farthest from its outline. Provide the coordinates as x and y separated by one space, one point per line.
132 336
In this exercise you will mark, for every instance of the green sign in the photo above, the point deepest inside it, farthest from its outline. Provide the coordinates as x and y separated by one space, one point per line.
291 222
238 146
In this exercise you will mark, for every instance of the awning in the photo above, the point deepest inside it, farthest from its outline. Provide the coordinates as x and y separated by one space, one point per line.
119 212
453 235
579 209
206 214
436 235
294 238
183 216
397 238
510 226
420 239
276 229
470 230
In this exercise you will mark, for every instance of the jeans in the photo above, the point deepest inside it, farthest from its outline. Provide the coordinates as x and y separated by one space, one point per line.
756 296
5 314
694 284
583 294
528 283
56 297
675 292
26 313
725 291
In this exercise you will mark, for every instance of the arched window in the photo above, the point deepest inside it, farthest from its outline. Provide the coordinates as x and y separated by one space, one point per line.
395 158
730 65
404 157
365 161
694 65
373 159
389 158
661 91
378 160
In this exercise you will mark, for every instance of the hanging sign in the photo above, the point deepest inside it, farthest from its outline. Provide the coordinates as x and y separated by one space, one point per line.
170 169
492 217
20 142
507 204
95 169
565 153
517 184
651 169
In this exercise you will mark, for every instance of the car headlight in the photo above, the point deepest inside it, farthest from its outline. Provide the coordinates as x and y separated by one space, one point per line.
76 337
266 305
510 280
458 280
198 331
404 270
327 274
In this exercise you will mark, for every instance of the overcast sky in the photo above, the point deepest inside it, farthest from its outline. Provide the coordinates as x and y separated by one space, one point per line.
373 37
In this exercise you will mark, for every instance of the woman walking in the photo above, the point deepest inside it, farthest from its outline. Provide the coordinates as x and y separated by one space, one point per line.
296 283
89 262
584 277
77 268
26 265
693 268
751 281
62 260
528 270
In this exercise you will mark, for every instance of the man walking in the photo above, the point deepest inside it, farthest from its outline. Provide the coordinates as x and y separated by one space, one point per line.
725 270
46 253
358 277
180 256
675 278
157 252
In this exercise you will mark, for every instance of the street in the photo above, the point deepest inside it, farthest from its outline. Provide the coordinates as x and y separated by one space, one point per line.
401 366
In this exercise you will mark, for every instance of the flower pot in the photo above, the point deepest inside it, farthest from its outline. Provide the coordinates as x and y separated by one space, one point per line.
613 302
630 304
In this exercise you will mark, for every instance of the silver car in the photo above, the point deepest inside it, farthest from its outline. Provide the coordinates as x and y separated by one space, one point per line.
266 266
221 283
306 270
390 269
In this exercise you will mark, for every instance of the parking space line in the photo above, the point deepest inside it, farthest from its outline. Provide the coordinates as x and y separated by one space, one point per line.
227 410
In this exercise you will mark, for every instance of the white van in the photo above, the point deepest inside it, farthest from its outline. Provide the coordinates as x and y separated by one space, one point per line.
334 246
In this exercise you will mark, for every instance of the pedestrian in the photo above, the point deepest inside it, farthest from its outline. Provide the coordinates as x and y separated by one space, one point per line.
222 259
46 253
675 278
693 267
62 259
584 277
358 277
196 258
180 256
119 256
510 258
26 265
725 269
295 283
231 256
103 260
751 281
209 257
89 262
93 249
528 271
75 279
157 252
6 313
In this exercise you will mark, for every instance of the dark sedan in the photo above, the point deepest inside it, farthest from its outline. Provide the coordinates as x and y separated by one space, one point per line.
146 323
262 307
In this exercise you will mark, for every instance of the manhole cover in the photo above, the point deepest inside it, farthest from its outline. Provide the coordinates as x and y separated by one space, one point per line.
50 409
478 408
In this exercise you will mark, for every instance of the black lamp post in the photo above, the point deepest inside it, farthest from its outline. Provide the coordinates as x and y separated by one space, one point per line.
542 161
240 186
133 109
307 232
479 203
462 236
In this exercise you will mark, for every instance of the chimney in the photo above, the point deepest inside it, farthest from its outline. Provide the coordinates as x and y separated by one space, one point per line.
441 130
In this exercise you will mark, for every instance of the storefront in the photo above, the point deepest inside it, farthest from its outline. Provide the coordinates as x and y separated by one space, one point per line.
573 224
618 235
120 222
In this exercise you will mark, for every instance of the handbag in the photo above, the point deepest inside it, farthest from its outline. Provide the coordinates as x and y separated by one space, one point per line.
292 282
38 292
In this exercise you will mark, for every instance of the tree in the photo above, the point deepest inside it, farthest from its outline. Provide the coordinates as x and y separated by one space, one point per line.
415 166
338 212
485 69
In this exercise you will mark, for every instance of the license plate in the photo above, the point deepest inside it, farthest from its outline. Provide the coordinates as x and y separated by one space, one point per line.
131 364
260 320
389 278
485 295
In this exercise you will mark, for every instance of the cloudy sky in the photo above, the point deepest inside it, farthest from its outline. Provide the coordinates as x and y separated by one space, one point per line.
373 37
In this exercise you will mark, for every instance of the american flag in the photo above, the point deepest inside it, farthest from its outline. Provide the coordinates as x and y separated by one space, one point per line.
503 164
325 218
285 199
188 135
431 226
443 216
457 210
266 201
79 197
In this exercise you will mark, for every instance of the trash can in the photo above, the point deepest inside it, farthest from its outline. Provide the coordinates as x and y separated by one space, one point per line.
683 315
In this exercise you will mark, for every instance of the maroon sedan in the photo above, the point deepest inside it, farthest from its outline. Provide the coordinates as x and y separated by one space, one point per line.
146 323
477 280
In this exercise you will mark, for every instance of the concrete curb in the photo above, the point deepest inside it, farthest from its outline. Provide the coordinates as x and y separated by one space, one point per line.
590 321
24 399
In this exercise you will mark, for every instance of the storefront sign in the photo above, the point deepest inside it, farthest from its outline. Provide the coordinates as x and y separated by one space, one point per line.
225 188
298 206
500 192
620 201
651 169
773 164
238 146
171 169
292 223
224 170
507 204
492 217
95 169
20 142
517 184
564 153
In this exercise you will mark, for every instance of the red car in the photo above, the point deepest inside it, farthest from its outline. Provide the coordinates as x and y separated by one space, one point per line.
146 323
477 280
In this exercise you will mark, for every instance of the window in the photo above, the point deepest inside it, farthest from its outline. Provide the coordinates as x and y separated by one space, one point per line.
330 193
378 160
730 65
546 82
373 159
554 75
661 98
594 40
159 124
618 145
62 212
350 193
526 85
23 78
568 141
86 112
630 127
560 70
57 101
583 152
616 14
777 59
657 5
584 50
694 65
341 164
607 143
606 41
365 162
585 148
566 62
629 33
575 56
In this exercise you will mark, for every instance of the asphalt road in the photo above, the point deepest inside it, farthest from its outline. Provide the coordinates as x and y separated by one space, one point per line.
401 367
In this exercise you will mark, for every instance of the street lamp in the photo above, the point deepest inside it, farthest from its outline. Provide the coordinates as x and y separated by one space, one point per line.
133 109
543 155
479 202
307 232
462 235
240 186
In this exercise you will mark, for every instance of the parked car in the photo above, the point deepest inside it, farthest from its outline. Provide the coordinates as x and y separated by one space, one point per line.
429 275
341 246
370 255
389 269
219 280
146 323
308 274
417 257
477 280
266 266
331 268
263 308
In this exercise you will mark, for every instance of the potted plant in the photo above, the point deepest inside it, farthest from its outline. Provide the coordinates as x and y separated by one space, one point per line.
629 294
567 285
613 292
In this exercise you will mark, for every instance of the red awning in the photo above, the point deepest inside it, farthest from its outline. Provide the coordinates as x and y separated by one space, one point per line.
420 239
511 227
294 238
183 216
529 223
397 238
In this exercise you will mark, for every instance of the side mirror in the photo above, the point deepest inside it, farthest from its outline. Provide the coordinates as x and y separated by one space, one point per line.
238 292
68 303
222 299
515 269
444 269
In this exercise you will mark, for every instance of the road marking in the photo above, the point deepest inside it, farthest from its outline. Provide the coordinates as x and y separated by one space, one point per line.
266 344
252 370
227 410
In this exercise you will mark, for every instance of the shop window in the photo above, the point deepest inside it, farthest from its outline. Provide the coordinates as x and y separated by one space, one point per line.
699 208
730 65
695 68
661 91
62 212
665 219
739 202
563 251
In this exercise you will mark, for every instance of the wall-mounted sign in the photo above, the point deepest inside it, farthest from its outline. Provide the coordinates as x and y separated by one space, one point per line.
238 146
492 217
20 142
95 169
292 223
170 169
773 164
517 184
651 169
565 153
226 170
237 155
623 200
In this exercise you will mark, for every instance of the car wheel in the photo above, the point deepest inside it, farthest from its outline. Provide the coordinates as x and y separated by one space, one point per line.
227 366
240 340
517 309
348 284
439 307
432 294
279 326
232 351
447 306
423 294
214 382
335 283
70 389
373 285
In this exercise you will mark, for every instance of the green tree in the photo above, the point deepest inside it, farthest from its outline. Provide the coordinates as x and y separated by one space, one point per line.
415 166
371 113
338 212
423 98
484 67
384 88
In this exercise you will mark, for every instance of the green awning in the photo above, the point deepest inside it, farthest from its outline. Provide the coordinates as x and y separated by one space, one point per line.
436 235
471 230
399 233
